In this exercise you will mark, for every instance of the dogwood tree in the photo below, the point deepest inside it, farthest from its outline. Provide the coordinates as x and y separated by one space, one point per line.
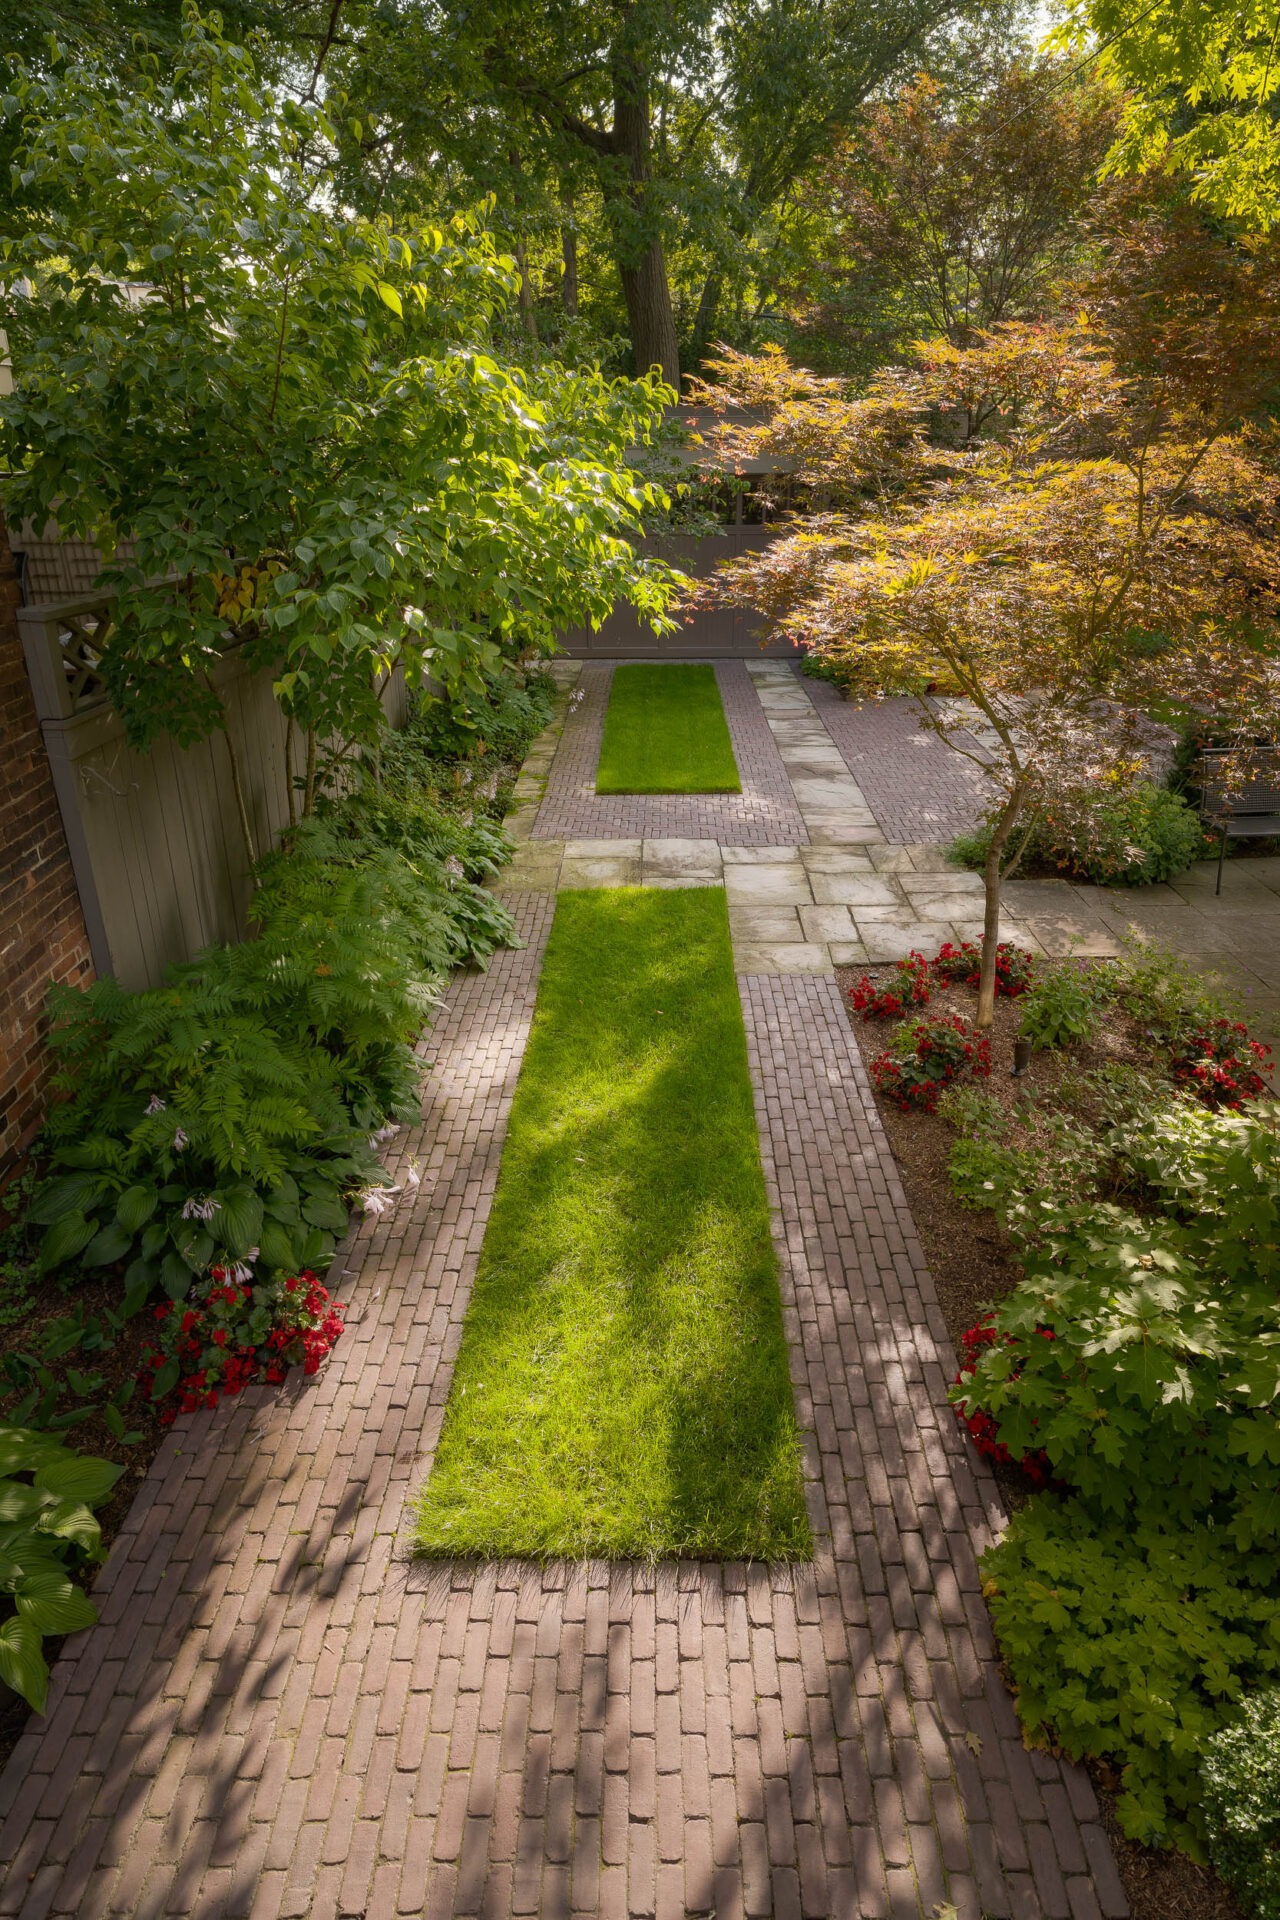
288 417
1085 533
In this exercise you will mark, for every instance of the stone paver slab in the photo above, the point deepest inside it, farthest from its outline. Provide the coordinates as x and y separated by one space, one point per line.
764 924
600 873
1064 934
779 886
777 956
884 941
855 890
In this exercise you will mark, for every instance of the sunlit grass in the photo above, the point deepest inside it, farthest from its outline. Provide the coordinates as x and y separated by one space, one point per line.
665 732
622 1387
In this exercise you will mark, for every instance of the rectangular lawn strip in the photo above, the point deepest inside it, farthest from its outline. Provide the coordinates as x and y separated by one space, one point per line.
622 1387
665 732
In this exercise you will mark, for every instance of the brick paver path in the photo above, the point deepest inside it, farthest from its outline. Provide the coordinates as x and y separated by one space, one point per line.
918 788
764 814
279 1714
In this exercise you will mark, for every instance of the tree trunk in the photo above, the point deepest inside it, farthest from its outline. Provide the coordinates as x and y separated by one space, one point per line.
991 917
528 318
569 253
708 307
651 322
642 265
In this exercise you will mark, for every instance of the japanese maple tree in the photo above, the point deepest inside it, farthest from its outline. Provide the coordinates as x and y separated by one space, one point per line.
1079 530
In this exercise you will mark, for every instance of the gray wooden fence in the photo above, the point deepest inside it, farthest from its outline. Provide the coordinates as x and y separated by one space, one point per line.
154 836
723 633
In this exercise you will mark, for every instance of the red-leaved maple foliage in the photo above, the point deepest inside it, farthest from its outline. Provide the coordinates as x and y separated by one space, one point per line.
1048 533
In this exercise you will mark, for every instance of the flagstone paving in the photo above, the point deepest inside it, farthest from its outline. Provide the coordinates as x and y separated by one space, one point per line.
281 1714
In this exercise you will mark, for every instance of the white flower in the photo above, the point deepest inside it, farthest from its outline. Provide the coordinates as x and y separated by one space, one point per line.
194 1209
241 1272
413 1178
383 1133
376 1200
155 1104
179 1140
455 869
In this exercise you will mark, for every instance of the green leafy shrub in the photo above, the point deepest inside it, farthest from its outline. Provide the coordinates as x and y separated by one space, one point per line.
1159 1390
924 1055
1131 1643
1064 1006
985 1173
225 1115
47 1531
1240 1783
500 721
1141 839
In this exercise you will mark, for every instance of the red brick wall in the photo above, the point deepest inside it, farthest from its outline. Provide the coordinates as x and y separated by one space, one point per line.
42 934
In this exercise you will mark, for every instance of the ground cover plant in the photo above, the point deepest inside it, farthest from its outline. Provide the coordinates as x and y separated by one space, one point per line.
47 1533
224 1124
1118 1327
622 1387
665 732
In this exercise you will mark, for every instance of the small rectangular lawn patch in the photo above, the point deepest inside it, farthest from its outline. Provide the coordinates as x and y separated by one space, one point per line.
665 732
622 1388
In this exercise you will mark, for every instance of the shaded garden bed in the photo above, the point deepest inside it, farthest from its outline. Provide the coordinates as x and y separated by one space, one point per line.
974 1264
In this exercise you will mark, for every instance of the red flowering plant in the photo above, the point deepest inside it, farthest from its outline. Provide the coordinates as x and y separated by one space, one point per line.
1015 967
925 1055
909 987
982 1427
231 1331
1221 1065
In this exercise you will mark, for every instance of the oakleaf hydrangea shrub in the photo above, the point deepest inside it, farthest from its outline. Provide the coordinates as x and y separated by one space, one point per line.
1240 1785
229 1332
47 1535
1132 1643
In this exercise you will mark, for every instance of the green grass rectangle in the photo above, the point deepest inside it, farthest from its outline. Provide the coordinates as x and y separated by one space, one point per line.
665 732
622 1388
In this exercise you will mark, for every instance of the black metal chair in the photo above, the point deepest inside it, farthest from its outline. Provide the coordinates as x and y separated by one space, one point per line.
1252 812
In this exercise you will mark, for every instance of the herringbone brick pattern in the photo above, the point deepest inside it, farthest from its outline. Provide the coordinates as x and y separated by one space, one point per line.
280 1715
920 790
764 814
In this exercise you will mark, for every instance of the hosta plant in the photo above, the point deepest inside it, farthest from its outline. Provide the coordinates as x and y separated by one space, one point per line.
47 1533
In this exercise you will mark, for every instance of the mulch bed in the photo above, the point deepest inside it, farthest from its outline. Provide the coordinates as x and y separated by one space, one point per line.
972 1264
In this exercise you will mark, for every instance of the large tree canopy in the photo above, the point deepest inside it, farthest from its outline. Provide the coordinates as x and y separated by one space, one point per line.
685 123
293 415
1202 86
